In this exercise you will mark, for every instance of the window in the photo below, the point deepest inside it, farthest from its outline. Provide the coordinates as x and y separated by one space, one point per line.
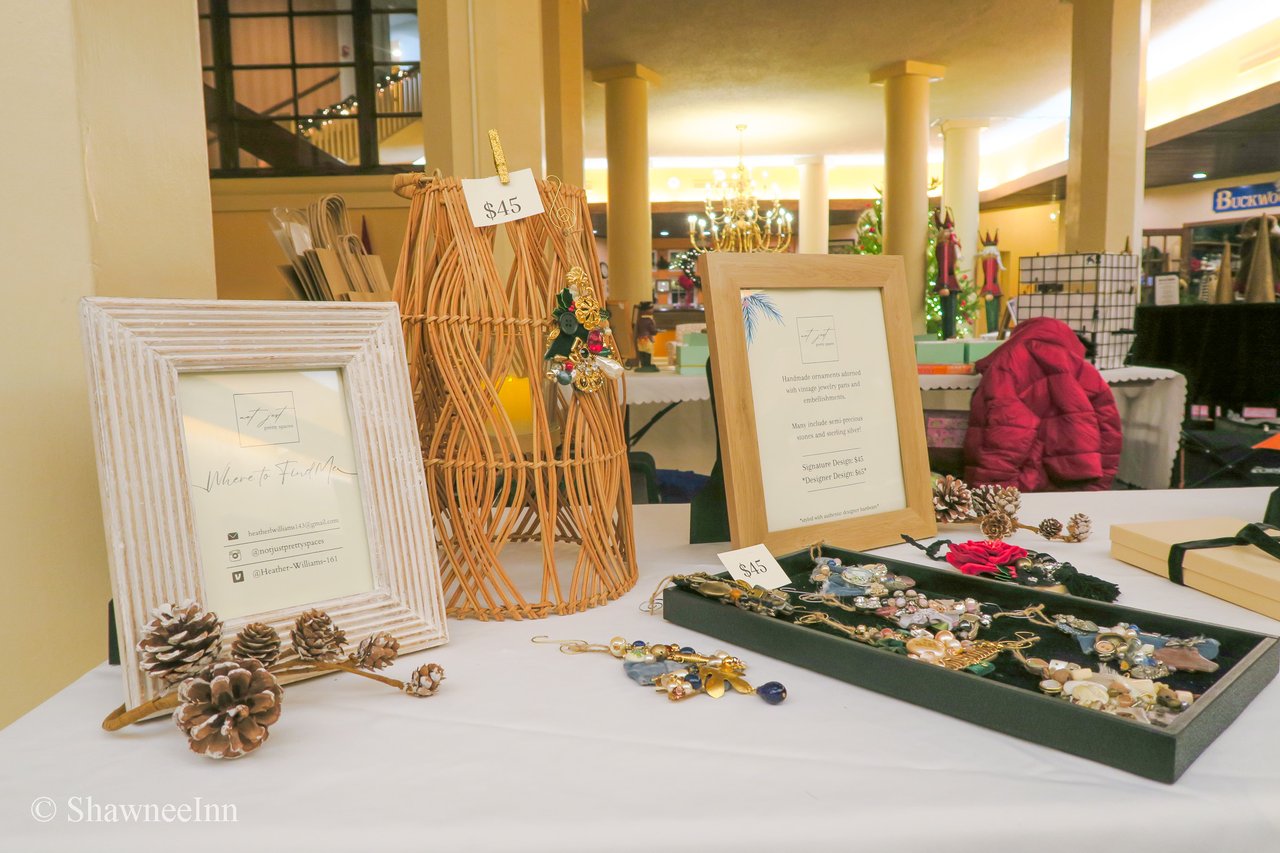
302 87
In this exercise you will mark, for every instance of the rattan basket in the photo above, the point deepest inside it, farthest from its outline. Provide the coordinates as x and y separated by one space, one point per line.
564 480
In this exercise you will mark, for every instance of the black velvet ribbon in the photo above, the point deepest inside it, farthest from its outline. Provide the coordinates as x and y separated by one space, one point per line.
1250 534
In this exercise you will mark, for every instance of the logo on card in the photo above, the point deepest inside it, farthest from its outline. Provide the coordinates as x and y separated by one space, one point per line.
232 536
237 577
817 339
267 417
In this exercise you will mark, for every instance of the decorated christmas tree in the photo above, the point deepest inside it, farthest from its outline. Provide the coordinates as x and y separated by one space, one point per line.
869 236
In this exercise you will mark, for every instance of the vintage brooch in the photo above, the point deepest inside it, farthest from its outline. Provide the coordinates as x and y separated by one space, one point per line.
580 347
676 670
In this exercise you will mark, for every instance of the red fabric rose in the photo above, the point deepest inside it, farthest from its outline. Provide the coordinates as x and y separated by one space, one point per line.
976 558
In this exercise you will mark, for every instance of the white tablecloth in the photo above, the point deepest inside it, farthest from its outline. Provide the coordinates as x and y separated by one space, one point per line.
1150 401
528 749
684 439
666 386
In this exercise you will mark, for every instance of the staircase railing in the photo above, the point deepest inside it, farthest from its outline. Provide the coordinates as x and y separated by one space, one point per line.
401 92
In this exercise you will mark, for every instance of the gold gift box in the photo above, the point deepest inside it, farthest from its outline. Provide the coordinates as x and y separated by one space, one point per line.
1241 574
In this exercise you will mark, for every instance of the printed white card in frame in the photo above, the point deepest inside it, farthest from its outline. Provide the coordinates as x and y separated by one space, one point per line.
820 418
260 458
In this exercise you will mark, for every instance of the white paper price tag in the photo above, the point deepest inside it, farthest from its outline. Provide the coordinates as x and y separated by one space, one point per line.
756 566
491 202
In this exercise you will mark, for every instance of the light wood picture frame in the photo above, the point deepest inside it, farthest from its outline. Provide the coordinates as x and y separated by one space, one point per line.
151 364
834 439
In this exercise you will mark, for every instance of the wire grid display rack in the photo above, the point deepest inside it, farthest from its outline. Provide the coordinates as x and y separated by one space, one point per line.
1096 294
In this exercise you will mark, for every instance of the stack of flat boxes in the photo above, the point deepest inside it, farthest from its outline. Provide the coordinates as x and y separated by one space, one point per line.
691 353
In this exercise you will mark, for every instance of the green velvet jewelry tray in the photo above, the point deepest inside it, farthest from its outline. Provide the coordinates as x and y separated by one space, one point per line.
1008 700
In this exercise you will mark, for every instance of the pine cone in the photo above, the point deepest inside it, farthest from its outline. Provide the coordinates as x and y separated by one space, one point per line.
425 680
997 525
1050 527
181 640
315 637
376 652
1079 526
988 499
952 500
226 709
259 641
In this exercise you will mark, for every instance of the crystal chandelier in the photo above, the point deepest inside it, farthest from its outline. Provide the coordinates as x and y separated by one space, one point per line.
738 225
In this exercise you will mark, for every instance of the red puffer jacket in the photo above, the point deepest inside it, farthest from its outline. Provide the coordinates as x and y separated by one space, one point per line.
1042 418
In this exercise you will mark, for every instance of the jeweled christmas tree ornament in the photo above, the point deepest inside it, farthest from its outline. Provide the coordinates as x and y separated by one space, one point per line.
580 347
676 670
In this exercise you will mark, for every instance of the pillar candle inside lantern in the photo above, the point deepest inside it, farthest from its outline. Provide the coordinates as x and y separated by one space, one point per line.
516 399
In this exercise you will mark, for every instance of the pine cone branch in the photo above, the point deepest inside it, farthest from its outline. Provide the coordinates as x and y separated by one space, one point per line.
989 498
997 525
226 709
952 500
259 641
1049 528
180 641
425 680
315 637
1079 526
376 652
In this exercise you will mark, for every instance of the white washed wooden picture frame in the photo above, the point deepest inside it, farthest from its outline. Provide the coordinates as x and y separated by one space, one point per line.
140 355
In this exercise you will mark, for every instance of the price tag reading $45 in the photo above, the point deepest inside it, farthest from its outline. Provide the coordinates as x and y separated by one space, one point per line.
756 566
491 202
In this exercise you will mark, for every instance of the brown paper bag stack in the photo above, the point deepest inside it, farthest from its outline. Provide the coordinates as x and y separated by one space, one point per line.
327 260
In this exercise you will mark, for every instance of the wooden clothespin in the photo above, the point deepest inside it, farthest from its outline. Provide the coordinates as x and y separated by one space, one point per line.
499 157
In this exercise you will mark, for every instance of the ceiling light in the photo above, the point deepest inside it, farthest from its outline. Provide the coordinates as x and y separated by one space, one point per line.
1198 176
739 224
673 182
664 233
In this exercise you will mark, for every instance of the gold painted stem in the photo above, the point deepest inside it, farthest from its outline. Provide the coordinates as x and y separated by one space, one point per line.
335 666
119 718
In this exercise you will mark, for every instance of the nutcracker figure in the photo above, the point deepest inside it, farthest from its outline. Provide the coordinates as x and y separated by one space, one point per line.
946 251
991 266
645 331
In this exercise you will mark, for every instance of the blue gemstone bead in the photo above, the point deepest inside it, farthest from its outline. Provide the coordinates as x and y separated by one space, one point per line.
639 644
687 650
772 692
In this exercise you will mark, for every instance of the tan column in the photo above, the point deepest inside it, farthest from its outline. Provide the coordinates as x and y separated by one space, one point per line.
906 171
960 145
626 124
814 207
448 135
1107 156
108 194
469 49
562 74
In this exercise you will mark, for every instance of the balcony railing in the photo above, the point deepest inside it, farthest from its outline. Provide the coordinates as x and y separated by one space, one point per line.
400 92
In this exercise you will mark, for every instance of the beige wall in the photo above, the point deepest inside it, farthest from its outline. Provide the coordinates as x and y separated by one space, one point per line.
1024 231
108 162
248 256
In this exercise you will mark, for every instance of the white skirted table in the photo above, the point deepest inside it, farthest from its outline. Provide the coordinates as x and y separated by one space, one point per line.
528 749
669 416
1151 401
